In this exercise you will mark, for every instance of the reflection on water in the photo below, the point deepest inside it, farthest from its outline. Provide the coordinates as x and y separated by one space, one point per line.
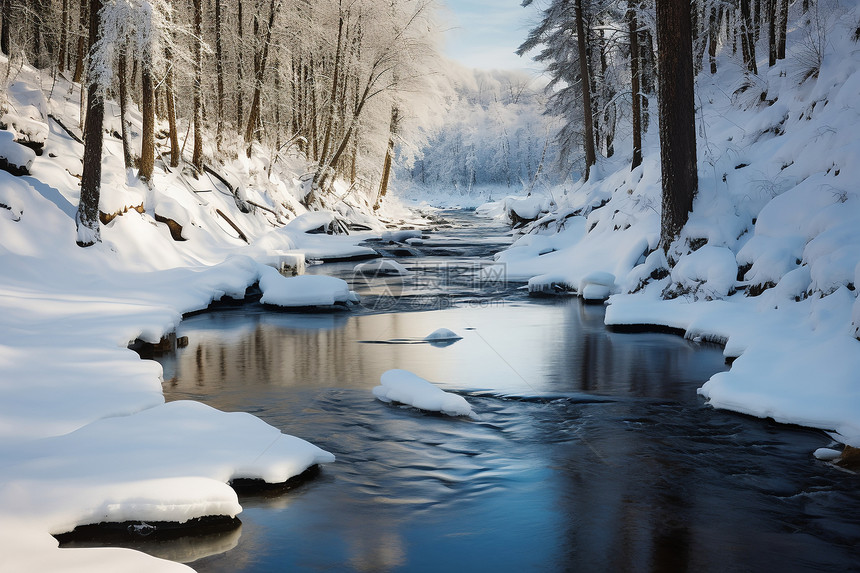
591 450
184 549
526 349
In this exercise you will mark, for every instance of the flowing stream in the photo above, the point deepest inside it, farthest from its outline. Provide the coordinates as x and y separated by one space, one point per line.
591 450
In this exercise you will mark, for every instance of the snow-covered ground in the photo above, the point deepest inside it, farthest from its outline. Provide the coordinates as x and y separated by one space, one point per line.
768 262
85 435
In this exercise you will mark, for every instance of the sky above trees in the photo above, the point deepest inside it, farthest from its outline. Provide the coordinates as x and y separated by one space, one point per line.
486 33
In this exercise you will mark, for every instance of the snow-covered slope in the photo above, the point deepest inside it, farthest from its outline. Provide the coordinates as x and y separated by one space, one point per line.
768 262
85 435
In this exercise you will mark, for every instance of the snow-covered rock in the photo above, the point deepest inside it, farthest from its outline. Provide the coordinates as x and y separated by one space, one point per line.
596 286
18 159
304 290
27 125
709 272
314 221
407 388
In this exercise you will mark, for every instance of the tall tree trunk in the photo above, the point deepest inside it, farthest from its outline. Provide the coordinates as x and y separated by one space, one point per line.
147 146
647 71
332 110
747 37
171 120
170 97
219 76
6 29
634 84
314 116
756 20
197 156
389 155
677 117
240 112
64 36
594 93
713 31
122 64
607 96
77 77
782 25
87 216
259 74
590 157
771 33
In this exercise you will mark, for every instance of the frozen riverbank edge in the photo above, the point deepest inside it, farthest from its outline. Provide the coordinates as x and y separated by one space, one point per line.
768 264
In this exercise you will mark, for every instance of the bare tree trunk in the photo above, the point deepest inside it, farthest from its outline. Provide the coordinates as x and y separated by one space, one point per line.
590 157
87 217
771 33
147 147
605 94
389 155
64 36
6 29
170 97
79 63
677 117
259 74
782 25
634 84
197 157
219 76
171 120
647 71
122 64
713 30
240 113
313 111
329 122
747 37
756 19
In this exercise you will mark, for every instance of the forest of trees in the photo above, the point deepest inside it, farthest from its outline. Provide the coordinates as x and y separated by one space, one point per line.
495 132
607 60
335 79
342 81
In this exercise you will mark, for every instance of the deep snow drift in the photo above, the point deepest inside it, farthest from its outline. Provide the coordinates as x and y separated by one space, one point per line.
85 435
768 262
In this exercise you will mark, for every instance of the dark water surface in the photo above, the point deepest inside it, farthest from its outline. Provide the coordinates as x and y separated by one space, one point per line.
590 452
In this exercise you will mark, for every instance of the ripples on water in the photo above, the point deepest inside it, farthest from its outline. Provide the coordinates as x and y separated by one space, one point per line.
590 451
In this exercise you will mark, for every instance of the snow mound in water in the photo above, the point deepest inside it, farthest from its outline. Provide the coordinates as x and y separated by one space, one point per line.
407 388
596 286
442 334
303 290
827 454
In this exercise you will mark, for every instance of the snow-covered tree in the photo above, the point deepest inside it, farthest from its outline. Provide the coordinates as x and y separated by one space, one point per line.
495 132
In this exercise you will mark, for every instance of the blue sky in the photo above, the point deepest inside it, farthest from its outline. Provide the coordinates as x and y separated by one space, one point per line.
485 33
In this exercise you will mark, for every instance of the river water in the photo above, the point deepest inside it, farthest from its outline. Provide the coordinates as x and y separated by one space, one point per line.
590 450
